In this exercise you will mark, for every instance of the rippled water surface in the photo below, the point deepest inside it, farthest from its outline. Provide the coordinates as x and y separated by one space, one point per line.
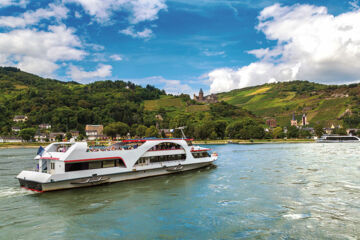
265 191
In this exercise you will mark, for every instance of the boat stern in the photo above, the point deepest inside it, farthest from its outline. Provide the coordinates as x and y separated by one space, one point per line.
32 180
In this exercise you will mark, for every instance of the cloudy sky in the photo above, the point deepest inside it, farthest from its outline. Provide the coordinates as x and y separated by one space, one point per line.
182 45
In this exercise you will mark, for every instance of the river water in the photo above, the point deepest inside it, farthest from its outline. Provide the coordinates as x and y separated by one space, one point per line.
260 191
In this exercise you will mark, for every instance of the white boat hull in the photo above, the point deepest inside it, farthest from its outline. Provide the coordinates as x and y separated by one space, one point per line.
118 177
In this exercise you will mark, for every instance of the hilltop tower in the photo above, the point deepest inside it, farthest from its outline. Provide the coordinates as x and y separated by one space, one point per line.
212 98
201 95
293 120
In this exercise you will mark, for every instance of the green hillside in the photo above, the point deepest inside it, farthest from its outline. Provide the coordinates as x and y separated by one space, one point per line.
323 104
70 106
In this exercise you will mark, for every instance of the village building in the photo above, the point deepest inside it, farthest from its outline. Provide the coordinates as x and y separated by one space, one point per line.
94 132
10 139
53 136
212 98
20 118
74 134
271 122
293 120
41 137
15 129
44 126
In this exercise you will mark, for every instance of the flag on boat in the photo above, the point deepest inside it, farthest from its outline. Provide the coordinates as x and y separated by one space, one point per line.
40 151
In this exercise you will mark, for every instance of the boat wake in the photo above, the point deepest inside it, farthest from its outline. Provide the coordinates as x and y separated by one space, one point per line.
6 192
297 216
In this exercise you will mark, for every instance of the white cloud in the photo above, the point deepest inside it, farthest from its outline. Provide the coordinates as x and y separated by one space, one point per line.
209 53
32 17
139 10
7 3
311 45
38 51
116 57
130 31
78 74
146 10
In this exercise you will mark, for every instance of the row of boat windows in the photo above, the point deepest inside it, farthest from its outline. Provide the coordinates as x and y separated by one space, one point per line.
164 158
200 154
341 138
166 146
69 167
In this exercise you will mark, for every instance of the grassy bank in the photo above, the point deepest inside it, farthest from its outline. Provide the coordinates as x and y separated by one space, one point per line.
22 145
238 141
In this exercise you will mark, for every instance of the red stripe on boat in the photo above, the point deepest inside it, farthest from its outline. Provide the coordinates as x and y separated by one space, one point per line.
201 150
33 190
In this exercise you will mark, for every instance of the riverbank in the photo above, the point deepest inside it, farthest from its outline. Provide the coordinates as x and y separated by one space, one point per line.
255 141
22 145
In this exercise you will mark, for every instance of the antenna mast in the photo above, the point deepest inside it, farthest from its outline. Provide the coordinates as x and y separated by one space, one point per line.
182 132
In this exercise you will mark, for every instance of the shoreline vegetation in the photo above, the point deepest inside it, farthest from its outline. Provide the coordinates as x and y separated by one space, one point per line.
200 142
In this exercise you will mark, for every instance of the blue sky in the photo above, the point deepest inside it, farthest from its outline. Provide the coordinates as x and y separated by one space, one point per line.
183 45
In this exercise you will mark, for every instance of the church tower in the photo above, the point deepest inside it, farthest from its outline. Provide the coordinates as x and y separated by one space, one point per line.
293 121
201 95
304 120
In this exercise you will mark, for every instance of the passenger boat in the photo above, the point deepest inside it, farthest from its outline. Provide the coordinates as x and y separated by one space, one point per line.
337 139
64 165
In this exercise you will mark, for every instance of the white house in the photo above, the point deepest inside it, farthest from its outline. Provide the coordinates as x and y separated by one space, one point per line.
20 118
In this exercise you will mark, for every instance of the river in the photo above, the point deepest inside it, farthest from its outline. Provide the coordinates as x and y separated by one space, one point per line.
260 191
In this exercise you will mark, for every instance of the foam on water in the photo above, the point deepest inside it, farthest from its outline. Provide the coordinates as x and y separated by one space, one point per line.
13 192
296 216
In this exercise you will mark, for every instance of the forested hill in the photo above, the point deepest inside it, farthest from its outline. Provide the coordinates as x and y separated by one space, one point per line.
70 106
323 104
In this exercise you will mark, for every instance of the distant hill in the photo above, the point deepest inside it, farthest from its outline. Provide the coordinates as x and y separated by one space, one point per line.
71 105
323 104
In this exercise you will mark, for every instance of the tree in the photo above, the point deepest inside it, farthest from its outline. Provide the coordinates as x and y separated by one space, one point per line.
27 134
293 132
304 134
68 136
140 130
245 129
151 132
220 127
116 128
277 132
59 138
319 130
340 131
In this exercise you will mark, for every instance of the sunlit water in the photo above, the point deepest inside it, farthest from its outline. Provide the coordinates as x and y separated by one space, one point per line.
265 191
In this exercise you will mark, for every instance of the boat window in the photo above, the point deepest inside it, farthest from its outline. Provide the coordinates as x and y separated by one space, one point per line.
69 167
200 154
164 158
95 164
108 163
166 146
52 166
